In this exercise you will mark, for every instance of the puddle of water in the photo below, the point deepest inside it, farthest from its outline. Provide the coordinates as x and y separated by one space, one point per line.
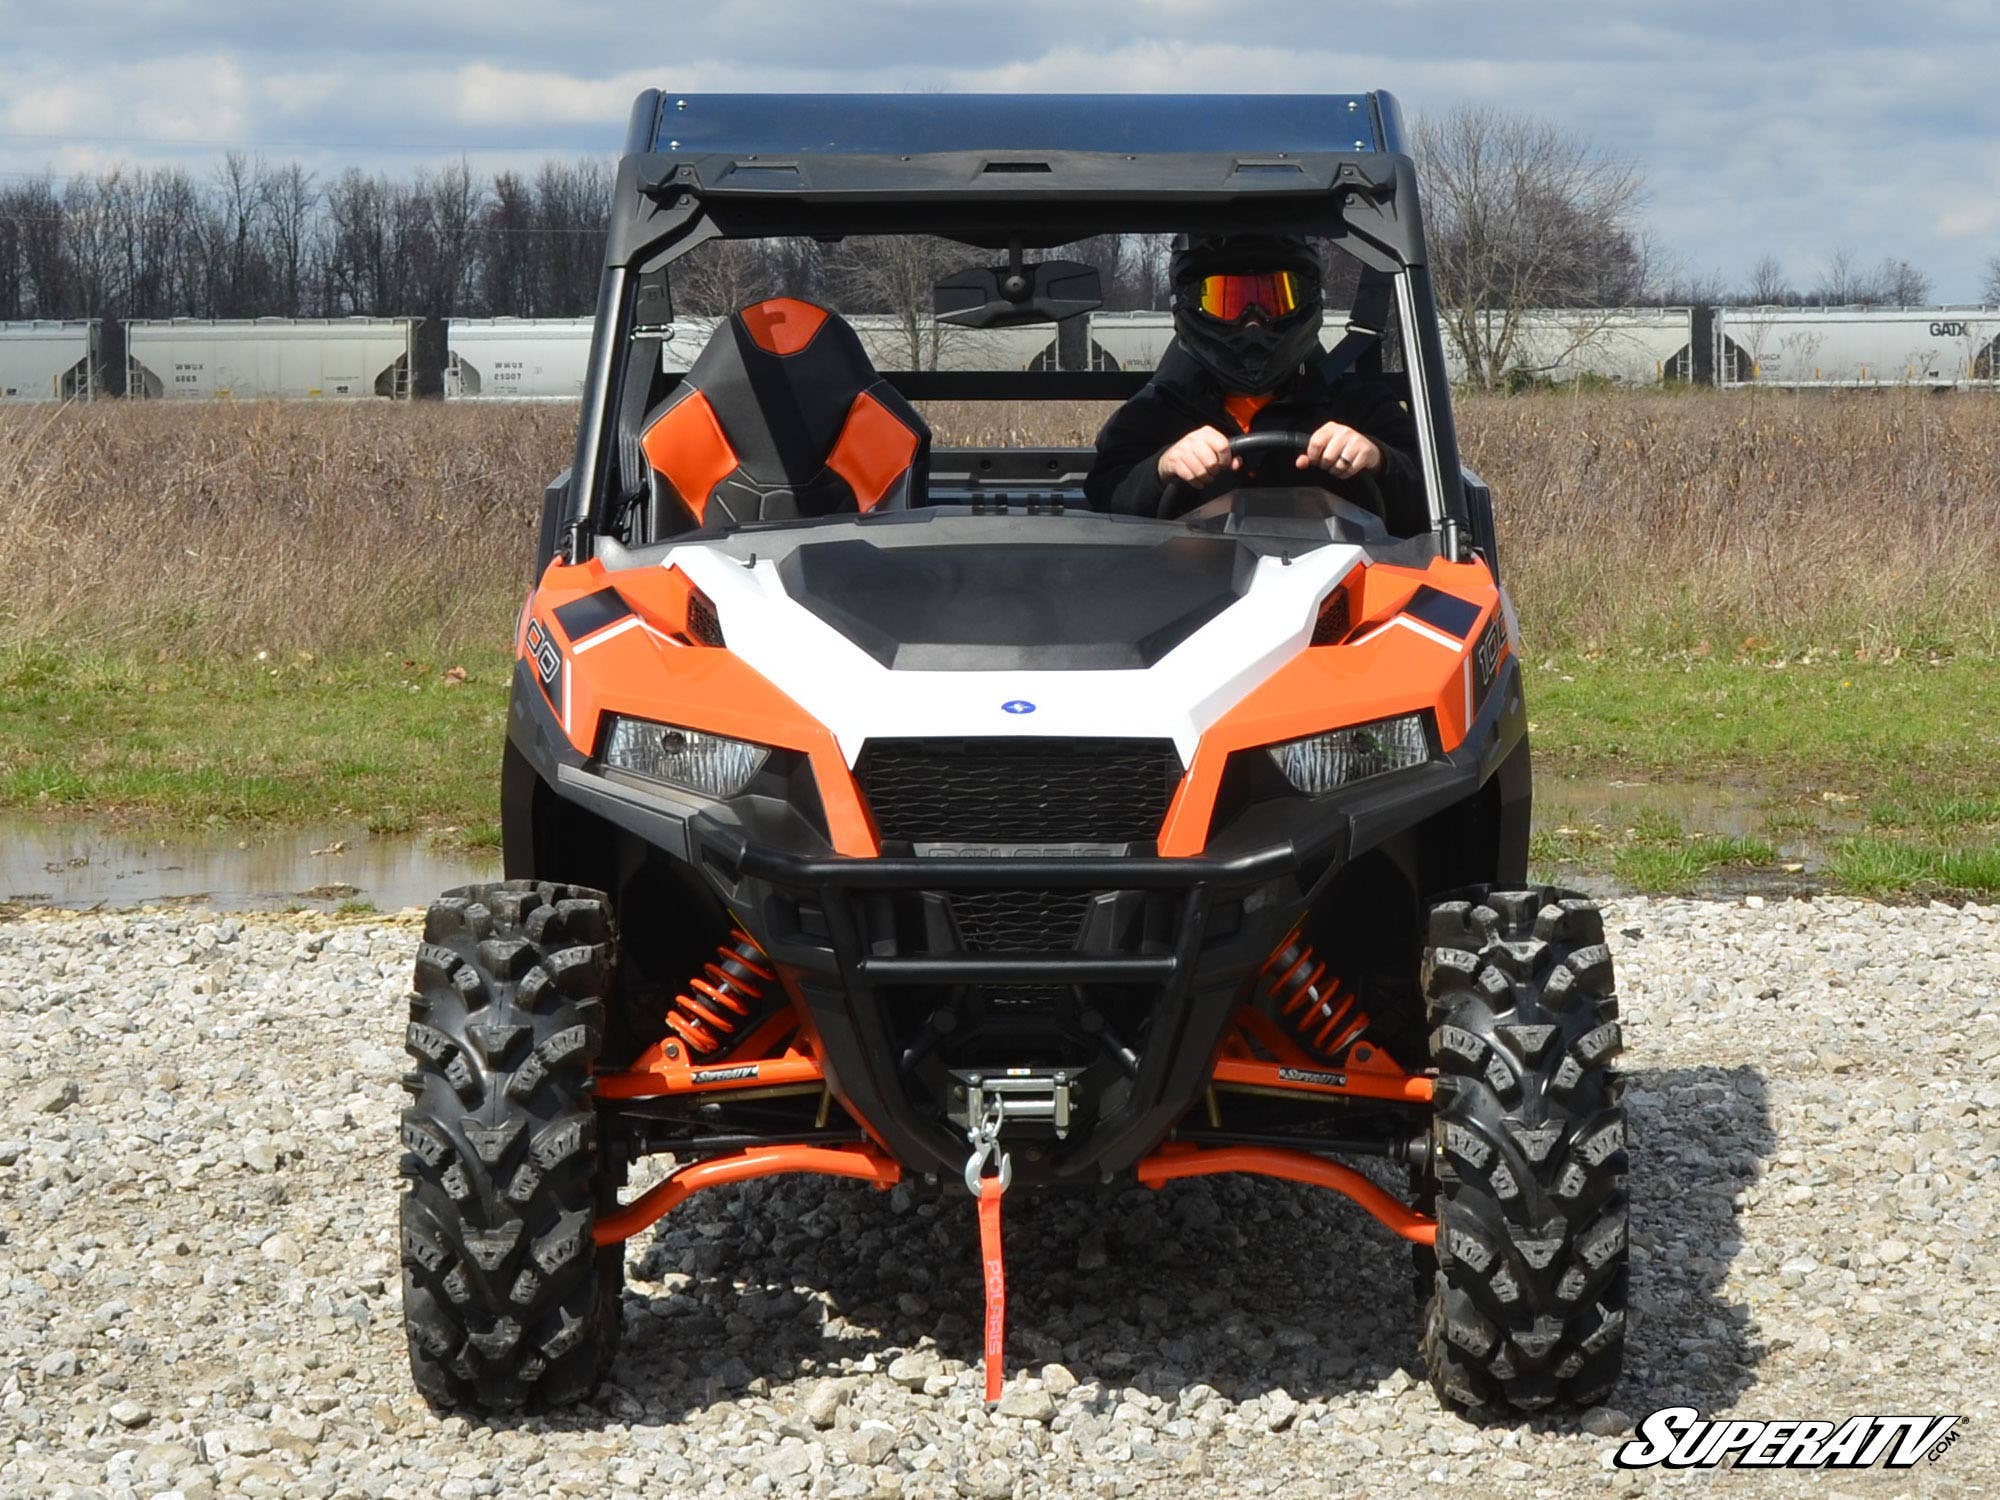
58 862
1801 832
65 863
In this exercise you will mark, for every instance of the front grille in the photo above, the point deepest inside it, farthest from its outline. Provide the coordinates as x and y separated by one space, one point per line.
1019 791
1019 921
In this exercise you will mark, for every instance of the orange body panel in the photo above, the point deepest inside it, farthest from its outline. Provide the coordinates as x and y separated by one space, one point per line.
783 325
1383 669
699 687
873 450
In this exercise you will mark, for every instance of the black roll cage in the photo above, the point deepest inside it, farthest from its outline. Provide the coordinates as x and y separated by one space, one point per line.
716 167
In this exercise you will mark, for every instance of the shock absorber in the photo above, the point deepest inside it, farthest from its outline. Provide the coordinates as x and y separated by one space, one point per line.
725 999
1312 1006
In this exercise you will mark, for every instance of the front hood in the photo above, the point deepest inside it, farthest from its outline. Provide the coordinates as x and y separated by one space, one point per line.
1036 606
1030 638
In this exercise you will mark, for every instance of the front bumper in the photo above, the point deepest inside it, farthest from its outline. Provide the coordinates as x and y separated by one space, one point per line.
1212 920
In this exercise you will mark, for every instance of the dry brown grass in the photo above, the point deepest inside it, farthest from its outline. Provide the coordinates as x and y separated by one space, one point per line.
1658 520
1839 520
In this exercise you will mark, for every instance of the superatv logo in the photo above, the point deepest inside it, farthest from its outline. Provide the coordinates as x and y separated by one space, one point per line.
1679 1438
1308 1076
724 1075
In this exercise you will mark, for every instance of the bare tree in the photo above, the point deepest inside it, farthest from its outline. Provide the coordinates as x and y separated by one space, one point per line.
1522 215
723 275
895 274
1844 282
1769 285
1990 292
1902 284
290 204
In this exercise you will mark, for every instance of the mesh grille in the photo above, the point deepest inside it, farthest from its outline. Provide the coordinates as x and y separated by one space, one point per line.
1019 791
704 629
1019 921
1334 620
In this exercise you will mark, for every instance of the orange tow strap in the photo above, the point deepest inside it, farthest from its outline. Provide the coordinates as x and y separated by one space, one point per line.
996 1286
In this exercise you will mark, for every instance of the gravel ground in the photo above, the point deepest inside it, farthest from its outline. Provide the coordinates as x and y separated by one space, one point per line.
197 1241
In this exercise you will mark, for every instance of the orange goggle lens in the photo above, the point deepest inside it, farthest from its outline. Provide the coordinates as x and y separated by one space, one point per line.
1229 296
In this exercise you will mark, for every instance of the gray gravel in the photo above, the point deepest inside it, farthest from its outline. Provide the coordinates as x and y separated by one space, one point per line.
197 1244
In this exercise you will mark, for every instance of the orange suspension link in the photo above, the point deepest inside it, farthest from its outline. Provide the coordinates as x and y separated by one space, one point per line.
1178 1160
863 1162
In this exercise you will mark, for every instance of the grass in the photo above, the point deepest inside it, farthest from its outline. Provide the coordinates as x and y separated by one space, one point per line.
385 741
1724 521
226 614
1892 768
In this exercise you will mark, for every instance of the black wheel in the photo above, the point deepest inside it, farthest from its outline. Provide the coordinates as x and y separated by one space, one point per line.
506 1300
1527 1299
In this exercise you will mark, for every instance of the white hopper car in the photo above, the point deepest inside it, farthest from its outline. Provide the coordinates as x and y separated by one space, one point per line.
268 358
45 359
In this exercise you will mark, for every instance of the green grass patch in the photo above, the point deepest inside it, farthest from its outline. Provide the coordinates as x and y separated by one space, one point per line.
1687 863
1892 768
1842 726
387 740
1874 866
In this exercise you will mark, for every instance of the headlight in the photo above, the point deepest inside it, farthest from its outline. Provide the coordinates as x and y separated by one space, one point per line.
1341 757
691 759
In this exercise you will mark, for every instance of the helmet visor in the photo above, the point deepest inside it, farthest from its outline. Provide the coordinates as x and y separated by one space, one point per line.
1230 295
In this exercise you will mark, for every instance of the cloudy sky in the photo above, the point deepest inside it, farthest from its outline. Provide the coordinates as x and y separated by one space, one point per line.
1761 127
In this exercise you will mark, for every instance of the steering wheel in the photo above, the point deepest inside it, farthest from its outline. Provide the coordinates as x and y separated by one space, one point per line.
1177 495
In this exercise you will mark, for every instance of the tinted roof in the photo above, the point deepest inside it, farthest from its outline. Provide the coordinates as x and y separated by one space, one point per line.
912 124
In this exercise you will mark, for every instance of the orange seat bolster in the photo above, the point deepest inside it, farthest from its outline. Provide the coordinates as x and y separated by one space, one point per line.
686 444
873 451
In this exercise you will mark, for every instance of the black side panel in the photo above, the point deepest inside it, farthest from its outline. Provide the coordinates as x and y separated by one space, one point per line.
1028 605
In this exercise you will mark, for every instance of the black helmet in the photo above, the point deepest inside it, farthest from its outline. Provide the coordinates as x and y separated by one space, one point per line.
1247 307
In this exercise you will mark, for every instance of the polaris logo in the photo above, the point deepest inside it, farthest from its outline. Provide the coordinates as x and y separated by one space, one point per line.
1678 1437
1017 706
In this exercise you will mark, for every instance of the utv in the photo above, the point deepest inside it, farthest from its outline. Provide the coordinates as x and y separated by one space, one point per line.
887 813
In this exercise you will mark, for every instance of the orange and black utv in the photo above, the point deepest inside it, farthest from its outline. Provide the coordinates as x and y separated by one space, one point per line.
884 811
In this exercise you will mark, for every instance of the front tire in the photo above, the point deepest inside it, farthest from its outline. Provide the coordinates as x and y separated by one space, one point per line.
507 1302
1527 1300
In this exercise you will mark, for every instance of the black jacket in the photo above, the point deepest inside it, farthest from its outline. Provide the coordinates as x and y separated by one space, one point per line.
1181 397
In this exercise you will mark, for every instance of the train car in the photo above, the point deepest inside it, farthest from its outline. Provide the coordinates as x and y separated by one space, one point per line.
1933 347
544 359
893 344
1626 345
46 359
516 359
269 358
1633 346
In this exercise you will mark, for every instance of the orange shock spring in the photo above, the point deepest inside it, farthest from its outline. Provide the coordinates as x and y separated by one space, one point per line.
721 1000
1314 1009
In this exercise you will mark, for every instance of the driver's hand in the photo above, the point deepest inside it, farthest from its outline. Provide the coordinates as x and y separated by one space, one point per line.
1197 458
1341 451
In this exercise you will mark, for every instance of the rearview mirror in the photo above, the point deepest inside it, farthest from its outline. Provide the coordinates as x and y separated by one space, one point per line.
1005 296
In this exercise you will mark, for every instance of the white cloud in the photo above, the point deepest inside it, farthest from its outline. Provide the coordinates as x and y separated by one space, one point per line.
1870 127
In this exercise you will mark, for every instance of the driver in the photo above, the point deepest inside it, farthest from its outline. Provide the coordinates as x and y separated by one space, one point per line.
1247 313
